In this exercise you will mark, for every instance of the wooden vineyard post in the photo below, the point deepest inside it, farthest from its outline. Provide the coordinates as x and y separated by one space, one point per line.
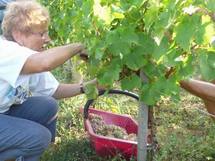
142 127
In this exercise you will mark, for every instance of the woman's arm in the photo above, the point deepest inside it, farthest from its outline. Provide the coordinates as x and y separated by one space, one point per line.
70 90
67 90
51 58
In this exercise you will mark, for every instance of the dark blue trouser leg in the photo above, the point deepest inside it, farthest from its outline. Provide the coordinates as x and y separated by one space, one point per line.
27 129
42 110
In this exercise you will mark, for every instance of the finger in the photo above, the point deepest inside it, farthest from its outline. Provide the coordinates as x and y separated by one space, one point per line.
84 55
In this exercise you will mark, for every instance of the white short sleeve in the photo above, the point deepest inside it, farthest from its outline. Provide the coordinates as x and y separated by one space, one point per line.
12 60
43 84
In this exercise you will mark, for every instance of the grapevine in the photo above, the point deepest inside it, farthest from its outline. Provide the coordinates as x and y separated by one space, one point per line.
168 40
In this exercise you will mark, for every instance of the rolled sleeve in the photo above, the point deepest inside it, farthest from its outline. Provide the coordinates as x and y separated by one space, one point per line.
43 84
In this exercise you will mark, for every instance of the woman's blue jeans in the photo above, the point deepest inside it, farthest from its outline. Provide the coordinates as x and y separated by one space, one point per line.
1 18
26 130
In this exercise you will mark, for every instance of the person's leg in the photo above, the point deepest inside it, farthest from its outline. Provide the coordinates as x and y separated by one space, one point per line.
21 137
42 110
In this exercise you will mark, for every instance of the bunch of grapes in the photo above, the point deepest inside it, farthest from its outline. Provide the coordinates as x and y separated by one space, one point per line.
112 131
97 122
132 137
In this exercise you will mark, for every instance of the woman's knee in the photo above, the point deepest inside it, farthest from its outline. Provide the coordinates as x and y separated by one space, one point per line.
52 105
41 138
46 109
33 140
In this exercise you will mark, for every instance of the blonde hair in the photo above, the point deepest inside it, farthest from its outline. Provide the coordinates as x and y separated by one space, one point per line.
24 16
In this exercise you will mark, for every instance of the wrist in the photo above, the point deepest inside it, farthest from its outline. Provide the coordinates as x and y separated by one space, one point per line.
79 48
82 88
76 48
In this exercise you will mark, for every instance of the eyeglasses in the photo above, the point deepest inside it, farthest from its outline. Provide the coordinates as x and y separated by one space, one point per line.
41 34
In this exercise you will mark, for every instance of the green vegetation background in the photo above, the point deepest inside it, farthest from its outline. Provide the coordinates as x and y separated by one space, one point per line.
183 132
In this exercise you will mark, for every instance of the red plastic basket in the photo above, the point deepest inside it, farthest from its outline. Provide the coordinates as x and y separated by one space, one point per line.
108 146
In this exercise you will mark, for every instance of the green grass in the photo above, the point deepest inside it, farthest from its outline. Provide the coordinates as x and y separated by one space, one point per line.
183 133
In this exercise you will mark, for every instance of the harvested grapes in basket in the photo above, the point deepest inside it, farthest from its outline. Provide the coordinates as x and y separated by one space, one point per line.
100 128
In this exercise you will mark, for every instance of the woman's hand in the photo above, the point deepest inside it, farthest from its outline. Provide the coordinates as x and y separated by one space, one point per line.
77 48
80 49
94 82
84 55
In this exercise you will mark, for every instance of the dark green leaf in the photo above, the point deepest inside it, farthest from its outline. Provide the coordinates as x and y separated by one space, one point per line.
131 82
135 60
185 31
161 49
147 43
207 65
210 5
110 73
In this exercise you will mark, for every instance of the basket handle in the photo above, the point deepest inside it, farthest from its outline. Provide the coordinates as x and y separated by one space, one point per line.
112 91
